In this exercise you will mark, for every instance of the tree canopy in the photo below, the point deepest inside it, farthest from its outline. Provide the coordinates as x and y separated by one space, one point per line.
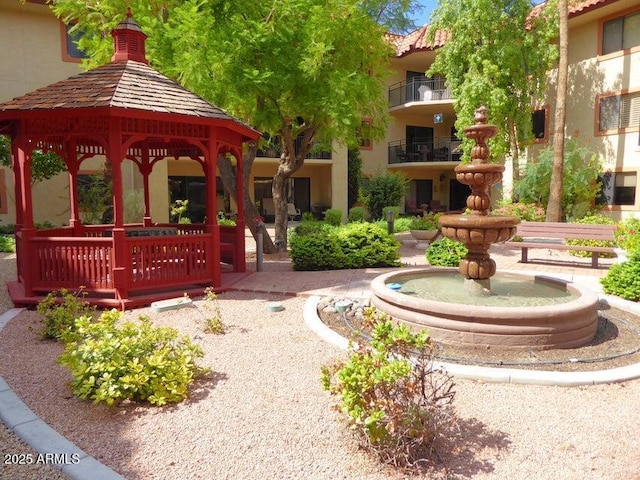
498 56
306 70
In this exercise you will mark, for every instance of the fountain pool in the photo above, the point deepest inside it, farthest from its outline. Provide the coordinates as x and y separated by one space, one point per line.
521 312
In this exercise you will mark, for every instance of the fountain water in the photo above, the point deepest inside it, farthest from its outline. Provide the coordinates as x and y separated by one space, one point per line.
563 314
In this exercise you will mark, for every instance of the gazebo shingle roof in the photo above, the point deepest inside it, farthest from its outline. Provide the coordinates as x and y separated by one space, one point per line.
128 84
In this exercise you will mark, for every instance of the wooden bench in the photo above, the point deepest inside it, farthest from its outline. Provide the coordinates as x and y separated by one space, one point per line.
553 235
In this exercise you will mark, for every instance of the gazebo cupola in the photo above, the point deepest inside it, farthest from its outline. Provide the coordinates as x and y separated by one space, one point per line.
123 112
129 41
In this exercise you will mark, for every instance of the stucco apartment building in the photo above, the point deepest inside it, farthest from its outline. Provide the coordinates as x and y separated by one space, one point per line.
603 110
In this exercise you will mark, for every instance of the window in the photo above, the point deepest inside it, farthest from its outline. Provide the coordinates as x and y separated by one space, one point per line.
619 111
70 51
621 33
624 191
539 124
618 188
364 135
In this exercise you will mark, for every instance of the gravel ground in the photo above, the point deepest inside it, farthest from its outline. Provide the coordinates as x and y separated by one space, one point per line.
261 413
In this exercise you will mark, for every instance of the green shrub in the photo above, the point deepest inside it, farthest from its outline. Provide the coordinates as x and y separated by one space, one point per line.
390 208
628 234
307 217
134 361
333 216
7 243
365 245
445 253
530 212
395 403
355 245
623 279
384 188
319 251
60 309
8 229
597 219
357 214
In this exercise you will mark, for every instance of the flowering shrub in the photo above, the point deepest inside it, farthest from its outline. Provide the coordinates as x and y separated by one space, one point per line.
628 234
427 221
530 212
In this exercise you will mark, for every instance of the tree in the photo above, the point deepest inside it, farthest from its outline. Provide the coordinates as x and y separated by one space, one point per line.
497 55
554 208
43 165
305 71
384 189
581 185
354 176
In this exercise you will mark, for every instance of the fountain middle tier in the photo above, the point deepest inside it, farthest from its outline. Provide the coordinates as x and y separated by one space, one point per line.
478 233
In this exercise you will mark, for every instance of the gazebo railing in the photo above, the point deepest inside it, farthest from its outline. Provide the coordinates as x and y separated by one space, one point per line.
174 261
170 257
68 262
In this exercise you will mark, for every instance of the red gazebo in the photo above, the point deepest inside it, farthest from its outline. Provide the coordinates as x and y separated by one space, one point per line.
123 111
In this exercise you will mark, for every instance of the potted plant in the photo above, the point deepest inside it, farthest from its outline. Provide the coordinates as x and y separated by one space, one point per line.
425 228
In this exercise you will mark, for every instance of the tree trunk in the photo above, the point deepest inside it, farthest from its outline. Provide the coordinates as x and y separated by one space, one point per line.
554 207
290 162
249 212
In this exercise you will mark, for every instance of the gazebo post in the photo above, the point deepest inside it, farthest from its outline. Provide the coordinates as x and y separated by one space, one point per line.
145 170
121 260
211 163
72 169
240 221
25 229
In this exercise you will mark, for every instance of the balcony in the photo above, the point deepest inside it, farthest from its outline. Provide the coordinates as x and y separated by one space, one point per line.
439 149
418 90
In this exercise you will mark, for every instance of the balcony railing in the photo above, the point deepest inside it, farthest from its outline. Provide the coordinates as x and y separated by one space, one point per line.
418 90
439 149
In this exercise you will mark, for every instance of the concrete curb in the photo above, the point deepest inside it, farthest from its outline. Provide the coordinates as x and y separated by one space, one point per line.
501 375
52 448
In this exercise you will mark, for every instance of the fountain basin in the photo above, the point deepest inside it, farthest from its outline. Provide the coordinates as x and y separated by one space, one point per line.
570 322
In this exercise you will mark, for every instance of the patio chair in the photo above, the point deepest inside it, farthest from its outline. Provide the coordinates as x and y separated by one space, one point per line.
293 212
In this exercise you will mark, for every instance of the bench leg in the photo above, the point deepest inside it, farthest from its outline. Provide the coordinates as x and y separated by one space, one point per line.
525 254
594 260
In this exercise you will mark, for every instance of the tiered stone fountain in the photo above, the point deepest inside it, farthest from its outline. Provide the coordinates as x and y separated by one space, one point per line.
477 230
474 306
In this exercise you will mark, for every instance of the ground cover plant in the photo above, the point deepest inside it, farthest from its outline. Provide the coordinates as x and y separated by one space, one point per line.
390 393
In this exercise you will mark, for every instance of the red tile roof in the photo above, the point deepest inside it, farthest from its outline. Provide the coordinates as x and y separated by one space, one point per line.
417 40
